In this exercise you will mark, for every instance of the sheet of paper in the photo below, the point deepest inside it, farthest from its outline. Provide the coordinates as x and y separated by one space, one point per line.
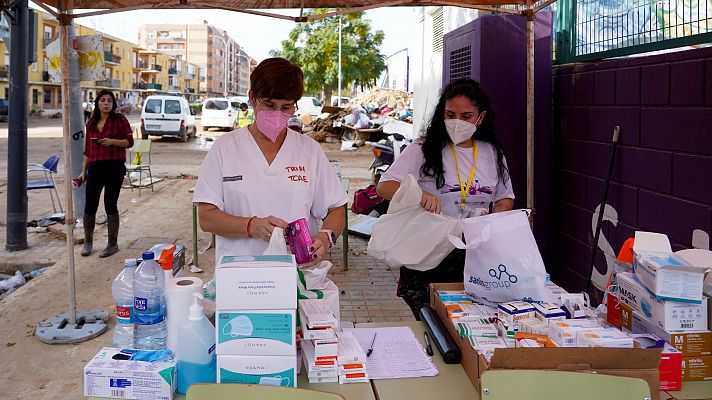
397 353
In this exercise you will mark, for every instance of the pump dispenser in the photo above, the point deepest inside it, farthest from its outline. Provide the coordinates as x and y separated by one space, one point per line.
196 348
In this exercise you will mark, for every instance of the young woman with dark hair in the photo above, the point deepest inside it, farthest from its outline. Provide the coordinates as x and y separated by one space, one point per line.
460 165
265 175
108 134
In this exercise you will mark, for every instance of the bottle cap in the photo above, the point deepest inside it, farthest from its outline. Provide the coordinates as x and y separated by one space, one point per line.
196 310
147 255
129 263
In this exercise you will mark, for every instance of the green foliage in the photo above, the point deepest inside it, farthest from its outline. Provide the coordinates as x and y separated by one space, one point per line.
315 47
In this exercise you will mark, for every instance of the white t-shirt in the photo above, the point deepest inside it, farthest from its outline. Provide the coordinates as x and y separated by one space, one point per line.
486 187
235 177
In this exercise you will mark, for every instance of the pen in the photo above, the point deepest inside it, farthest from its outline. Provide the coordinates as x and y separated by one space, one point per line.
428 348
370 349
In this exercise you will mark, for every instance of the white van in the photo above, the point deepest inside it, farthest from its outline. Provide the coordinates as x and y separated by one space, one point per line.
167 116
309 105
219 112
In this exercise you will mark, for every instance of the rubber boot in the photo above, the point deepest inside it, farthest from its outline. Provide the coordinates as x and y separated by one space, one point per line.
88 234
112 223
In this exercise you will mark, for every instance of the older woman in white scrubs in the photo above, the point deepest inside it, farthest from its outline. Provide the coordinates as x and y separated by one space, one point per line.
266 175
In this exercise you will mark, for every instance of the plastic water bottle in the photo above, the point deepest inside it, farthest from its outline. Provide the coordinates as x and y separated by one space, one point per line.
122 290
150 305
196 348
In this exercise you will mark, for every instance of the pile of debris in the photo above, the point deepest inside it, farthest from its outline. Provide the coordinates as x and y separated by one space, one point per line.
383 97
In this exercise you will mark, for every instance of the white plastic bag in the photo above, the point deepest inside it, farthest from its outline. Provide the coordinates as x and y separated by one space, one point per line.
410 236
503 261
277 243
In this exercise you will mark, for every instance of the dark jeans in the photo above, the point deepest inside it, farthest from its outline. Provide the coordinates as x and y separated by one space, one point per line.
413 285
107 175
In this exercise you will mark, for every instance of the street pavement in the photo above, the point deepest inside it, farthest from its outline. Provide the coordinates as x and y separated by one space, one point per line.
367 289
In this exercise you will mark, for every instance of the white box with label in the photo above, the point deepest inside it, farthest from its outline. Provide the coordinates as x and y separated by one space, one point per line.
256 333
668 315
266 282
263 370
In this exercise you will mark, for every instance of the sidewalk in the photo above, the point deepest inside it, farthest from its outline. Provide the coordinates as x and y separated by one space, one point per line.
32 369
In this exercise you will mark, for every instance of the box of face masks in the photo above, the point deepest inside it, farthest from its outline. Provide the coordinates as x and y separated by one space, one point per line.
131 374
266 282
266 370
258 333
664 274
668 315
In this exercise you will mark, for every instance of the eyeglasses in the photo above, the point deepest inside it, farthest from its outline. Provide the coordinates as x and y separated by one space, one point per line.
288 108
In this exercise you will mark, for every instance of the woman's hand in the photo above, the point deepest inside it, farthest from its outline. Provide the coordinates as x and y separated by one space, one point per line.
317 250
261 228
430 202
106 142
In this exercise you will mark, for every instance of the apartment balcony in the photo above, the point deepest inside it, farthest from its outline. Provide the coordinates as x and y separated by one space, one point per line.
189 75
154 86
111 58
45 76
110 83
139 86
189 90
172 71
174 88
150 68
4 71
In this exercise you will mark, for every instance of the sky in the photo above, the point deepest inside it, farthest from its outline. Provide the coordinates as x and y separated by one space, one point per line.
256 34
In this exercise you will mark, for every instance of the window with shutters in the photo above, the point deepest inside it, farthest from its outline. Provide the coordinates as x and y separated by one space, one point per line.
460 63
438 30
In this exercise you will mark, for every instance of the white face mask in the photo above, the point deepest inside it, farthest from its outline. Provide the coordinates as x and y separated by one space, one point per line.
459 130
240 326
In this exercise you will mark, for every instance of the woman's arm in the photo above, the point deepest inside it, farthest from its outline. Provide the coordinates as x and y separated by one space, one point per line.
387 189
334 221
214 220
503 205
428 201
85 166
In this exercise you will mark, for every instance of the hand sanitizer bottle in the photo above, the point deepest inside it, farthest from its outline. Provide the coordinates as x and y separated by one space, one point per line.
196 348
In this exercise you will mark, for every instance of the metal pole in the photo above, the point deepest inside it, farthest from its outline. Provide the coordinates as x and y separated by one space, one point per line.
76 125
64 21
338 94
16 228
531 17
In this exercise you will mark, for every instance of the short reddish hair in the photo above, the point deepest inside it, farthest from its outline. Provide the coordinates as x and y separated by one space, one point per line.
277 78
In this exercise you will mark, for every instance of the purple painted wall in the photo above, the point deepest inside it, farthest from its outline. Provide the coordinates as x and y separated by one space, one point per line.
662 178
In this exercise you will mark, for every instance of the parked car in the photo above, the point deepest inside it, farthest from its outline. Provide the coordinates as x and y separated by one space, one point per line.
337 101
168 116
309 105
235 101
4 109
218 112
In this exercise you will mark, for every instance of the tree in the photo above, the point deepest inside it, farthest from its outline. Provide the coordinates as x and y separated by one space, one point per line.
314 46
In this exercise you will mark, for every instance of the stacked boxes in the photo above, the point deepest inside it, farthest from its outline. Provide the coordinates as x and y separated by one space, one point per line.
351 359
320 344
256 303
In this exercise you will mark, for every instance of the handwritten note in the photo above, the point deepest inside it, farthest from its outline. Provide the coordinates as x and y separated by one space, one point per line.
397 353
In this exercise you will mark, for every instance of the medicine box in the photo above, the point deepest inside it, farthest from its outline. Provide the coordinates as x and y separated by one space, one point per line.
256 283
670 360
263 370
608 337
697 368
312 363
668 315
549 312
667 276
330 379
698 343
476 328
350 351
317 314
319 333
256 333
511 313
112 373
353 377
564 332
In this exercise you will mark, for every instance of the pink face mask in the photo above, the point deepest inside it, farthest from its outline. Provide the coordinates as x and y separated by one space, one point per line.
271 123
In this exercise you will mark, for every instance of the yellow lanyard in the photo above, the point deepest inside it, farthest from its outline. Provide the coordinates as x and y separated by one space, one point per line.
465 189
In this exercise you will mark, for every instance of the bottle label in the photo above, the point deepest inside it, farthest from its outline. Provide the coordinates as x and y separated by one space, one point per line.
145 314
124 315
140 304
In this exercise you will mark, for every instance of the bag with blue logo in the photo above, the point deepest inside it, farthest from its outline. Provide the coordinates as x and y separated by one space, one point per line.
503 261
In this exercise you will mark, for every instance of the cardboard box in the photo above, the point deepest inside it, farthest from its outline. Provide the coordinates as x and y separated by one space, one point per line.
697 368
265 370
511 313
668 315
697 343
634 363
112 374
256 283
664 274
256 333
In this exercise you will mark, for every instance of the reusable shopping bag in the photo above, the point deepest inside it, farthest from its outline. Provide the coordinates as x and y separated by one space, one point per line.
410 236
503 261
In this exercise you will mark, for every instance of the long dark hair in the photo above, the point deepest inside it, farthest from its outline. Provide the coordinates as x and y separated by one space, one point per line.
436 138
96 114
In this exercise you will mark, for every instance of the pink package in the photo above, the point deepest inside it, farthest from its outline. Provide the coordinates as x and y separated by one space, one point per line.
299 240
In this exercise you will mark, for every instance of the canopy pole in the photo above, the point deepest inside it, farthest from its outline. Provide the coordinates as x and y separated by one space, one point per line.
531 18
64 21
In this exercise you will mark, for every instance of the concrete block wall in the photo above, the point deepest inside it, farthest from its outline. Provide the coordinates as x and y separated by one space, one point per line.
662 176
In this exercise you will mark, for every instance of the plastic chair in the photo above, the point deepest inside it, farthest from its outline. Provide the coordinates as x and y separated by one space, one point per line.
255 392
560 385
141 147
48 168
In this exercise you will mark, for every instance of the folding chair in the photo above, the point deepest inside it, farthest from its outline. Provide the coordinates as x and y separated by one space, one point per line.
48 168
140 147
